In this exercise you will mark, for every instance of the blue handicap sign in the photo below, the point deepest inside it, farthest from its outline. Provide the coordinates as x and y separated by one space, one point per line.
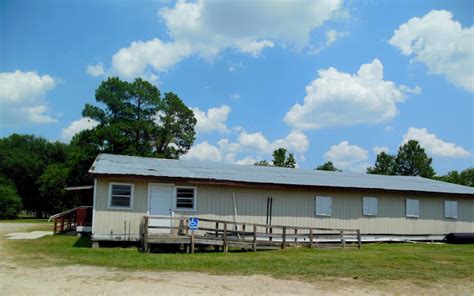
193 223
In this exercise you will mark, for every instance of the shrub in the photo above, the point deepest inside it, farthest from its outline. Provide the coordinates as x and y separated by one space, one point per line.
10 202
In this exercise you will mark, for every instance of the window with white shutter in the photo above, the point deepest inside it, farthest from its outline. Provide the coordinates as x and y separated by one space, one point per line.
369 206
412 208
323 206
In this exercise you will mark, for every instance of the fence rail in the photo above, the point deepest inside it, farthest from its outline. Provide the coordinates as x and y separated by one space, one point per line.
224 234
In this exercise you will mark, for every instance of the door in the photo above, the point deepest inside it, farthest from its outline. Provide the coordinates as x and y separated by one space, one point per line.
161 201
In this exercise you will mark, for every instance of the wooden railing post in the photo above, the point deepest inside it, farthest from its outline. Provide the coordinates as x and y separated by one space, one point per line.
61 227
359 240
311 238
254 245
283 237
296 235
243 232
225 238
343 242
217 229
271 231
192 241
145 235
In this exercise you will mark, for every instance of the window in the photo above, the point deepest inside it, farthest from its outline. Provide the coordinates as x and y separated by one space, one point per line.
451 209
413 208
120 195
186 198
369 206
323 206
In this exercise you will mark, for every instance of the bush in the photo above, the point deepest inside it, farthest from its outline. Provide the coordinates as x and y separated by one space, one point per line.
10 202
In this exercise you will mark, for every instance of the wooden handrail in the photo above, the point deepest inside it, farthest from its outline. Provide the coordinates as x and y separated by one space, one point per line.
229 233
275 226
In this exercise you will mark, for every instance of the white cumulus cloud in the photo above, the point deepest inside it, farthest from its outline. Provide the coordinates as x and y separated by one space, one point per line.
132 61
340 99
442 44
348 157
333 35
253 146
203 151
205 28
246 161
85 123
95 70
295 141
22 97
433 145
212 120
379 149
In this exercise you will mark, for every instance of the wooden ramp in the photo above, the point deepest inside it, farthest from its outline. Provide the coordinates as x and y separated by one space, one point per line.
227 234
78 219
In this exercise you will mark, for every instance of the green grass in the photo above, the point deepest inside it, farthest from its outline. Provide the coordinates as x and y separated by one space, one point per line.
415 262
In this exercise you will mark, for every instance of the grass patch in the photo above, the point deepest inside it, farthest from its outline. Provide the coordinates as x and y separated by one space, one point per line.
415 262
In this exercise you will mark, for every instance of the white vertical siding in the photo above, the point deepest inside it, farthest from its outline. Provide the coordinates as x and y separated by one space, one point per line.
294 207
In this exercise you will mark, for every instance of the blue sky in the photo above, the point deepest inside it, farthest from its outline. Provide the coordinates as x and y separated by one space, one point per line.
329 80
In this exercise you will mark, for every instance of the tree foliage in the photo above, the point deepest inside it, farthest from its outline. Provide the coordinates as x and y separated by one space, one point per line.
411 160
384 165
280 159
24 159
327 166
52 191
262 163
137 120
10 201
465 177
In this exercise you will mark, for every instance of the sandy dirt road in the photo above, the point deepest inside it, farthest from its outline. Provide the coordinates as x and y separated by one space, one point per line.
89 280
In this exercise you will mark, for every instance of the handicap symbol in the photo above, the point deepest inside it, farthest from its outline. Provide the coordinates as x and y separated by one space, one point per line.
193 223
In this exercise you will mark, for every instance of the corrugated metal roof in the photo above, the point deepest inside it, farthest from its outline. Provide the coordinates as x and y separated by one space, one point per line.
109 164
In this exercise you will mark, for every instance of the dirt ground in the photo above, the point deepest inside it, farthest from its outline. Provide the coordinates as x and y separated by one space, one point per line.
89 280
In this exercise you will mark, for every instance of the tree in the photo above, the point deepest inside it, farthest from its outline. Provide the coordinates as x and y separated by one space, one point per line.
384 165
136 120
52 191
281 160
10 202
466 177
24 158
412 160
262 163
328 166
451 177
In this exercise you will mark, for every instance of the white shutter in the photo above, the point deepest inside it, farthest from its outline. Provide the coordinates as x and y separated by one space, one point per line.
369 206
450 209
454 209
412 208
365 206
323 206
